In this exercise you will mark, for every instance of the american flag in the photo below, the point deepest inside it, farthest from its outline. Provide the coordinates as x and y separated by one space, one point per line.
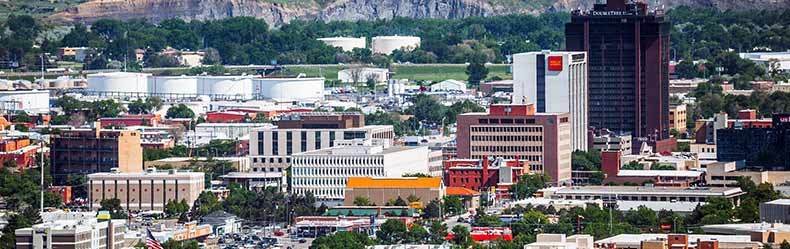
151 242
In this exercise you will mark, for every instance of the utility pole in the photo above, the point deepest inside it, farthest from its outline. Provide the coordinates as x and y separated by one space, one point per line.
41 204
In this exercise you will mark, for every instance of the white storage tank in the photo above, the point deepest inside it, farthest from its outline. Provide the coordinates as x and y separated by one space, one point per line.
236 87
362 74
290 88
119 82
183 85
346 43
32 101
386 44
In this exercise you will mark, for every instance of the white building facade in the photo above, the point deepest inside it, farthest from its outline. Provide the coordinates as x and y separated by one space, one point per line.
237 131
325 172
554 82
62 233
271 147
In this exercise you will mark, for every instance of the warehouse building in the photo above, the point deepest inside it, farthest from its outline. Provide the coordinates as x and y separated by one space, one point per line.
383 190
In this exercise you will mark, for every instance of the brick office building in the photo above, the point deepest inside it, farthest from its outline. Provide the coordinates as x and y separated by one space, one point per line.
511 131
89 151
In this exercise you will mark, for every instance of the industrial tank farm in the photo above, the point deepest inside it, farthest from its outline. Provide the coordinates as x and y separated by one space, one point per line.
289 88
118 82
173 85
239 87
225 87
386 44
346 43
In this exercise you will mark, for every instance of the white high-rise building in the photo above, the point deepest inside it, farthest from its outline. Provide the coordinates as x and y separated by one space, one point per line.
554 82
325 172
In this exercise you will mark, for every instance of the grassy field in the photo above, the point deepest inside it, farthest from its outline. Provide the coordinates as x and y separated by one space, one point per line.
412 72
36 8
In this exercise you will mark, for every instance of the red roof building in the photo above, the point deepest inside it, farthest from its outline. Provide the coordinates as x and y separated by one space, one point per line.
18 149
478 175
131 120
229 117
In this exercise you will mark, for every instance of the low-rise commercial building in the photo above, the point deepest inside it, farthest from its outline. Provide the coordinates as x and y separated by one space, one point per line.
643 193
607 141
149 190
727 174
222 223
383 190
775 211
470 198
678 199
325 172
131 120
677 241
19 150
180 232
559 241
612 163
72 234
483 176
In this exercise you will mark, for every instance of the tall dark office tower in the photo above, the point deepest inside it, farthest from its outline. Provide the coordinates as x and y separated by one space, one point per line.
628 63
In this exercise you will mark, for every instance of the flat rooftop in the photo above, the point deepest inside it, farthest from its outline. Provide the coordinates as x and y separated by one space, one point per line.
248 175
362 150
779 202
662 173
157 174
635 239
745 228
642 190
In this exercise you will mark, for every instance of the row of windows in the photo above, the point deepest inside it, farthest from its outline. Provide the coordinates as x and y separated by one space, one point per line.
507 148
303 145
320 181
506 121
531 158
271 160
508 138
271 169
339 171
722 178
338 193
339 161
635 198
507 129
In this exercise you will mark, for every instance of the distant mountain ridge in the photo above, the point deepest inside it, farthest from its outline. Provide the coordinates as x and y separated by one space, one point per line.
283 11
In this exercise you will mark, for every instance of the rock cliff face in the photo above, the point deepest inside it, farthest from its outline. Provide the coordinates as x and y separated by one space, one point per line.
279 12
158 10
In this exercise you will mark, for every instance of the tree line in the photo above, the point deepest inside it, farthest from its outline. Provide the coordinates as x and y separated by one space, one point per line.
695 33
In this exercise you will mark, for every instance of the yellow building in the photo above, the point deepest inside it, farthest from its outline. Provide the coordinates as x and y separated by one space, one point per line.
677 118
382 190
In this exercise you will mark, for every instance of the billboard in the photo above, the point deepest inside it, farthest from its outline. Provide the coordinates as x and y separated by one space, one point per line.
555 63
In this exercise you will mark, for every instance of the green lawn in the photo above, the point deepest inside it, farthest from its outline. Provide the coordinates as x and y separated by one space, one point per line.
411 72
35 8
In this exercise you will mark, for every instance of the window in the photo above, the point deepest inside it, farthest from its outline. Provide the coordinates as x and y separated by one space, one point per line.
275 143
317 140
